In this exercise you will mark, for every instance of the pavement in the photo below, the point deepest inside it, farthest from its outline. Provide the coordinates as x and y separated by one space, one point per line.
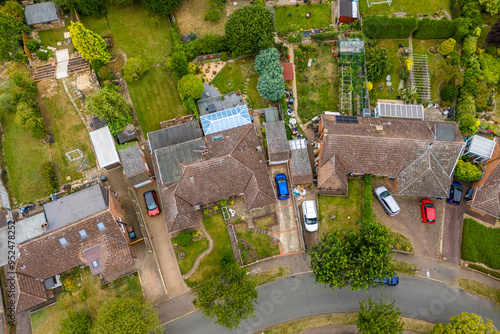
297 296
346 329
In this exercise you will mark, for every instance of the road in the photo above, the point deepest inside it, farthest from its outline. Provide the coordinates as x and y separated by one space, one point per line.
296 297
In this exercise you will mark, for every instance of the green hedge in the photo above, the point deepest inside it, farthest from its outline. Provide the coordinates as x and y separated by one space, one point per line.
434 29
325 36
389 27
481 244
368 199
484 270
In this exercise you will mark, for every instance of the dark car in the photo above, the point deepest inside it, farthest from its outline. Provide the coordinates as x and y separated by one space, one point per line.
151 203
282 186
428 211
391 281
455 193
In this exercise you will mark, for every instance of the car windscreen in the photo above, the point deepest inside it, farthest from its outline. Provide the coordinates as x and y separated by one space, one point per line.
311 221
150 202
429 205
384 194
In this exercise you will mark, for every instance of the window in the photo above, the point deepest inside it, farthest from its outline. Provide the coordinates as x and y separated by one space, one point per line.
122 227
119 219
83 234
101 226
63 242
95 264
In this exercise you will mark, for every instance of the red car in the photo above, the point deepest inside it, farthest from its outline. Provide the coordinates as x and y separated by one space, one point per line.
151 203
428 211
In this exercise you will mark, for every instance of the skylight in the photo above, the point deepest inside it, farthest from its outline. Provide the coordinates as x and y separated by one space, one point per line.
95 264
63 242
83 234
101 226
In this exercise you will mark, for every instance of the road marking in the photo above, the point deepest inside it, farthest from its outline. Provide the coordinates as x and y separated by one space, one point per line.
285 231
284 206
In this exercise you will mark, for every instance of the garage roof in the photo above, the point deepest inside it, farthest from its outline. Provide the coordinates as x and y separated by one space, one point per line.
104 147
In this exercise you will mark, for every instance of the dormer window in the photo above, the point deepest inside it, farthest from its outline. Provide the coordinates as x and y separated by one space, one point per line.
95 264
101 226
83 234
63 242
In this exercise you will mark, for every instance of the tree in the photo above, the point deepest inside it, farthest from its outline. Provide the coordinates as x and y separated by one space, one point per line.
229 297
92 47
379 317
450 73
76 323
377 63
494 34
178 63
29 119
249 29
467 171
265 59
447 46
110 106
491 69
190 86
162 7
470 45
449 93
134 69
11 24
95 8
469 323
490 6
126 316
466 114
353 258
271 86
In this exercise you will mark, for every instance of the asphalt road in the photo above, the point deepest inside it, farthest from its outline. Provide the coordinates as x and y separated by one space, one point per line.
296 297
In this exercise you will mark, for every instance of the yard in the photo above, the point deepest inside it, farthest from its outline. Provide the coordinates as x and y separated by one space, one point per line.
422 47
85 293
192 251
50 37
155 98
191 18
392 47
408 6
480 244
319 92
210 265
234 77
260 243
321 17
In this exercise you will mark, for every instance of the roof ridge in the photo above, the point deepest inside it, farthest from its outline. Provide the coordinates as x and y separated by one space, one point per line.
434 174
392 138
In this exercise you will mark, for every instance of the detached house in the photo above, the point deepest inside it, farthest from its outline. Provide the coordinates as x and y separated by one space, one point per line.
419 156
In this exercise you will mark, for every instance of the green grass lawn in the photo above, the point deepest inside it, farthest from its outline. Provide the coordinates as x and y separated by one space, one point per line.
480 289
408 6
262 243
272 274
69 132
210 265
192 251
392 47
320 92
264 222
47 320
481 244
236 73
155 98
50 37
422 47
347 210
321 16
135 33
400 242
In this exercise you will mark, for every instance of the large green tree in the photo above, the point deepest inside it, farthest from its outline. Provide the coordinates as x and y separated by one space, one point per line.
11 24
265 59
134 68
78 322
190 86
271 84
377 63
110 106
379 317
353 258
91 45
178 63
249 29
229 297
126 316
162 7
29 119
468 323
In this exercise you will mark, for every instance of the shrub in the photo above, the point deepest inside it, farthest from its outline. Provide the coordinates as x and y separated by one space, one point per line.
42 55
134 69
223 202
213 14
447 46
389 27
467 171
49 177
462 28
223 56
433 29
325 36
211 43
184 238
33 45
449 93
295 37
234 55
469 45
76 323
190 86
227 259
368 199
238 220
104 74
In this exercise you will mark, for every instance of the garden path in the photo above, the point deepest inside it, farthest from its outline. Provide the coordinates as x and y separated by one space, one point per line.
202 255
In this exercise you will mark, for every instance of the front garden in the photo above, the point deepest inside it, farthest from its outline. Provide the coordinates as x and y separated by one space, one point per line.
480 244
320 17
188 246
254 246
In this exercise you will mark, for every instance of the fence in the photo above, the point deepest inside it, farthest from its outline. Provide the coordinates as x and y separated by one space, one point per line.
207 58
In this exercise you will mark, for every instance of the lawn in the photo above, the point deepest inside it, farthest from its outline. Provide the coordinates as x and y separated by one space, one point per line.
319 92
408 6
422 47
270 275
403 267
210 265
50 37
480 289
191 17
392 47
192 251
264 222
321 17
262 243
69 132
155 98
399 241
348 210
481 244
47 320
236 73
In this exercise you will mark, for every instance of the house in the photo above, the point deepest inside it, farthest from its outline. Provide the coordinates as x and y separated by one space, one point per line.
288 74
46 15
135 167
74 235
347 11
104 148
418 156
300 164
229 163
487 190
277 143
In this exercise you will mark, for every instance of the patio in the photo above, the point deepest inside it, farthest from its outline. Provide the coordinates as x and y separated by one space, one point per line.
210 69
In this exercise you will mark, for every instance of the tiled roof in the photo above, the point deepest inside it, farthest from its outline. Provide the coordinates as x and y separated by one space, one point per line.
132 162
332 175
277 142
115 255
174 135
300 165
30 292
287 71
487 197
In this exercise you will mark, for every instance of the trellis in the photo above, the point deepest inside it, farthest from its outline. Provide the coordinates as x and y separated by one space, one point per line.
346 89
370 3
420 78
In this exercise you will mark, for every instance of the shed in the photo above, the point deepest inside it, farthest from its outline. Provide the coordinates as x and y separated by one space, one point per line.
127 135
408 111
347 11
104 148
300 164
135 167
97 123
277 145
288 74
42 13
480 148
271 114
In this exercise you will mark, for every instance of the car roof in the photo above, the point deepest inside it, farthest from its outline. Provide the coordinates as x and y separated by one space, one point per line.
310 208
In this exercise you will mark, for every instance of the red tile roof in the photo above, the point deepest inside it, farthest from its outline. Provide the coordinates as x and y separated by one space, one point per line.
288 71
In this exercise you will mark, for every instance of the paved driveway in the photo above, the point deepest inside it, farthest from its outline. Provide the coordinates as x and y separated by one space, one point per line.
452 232
310 238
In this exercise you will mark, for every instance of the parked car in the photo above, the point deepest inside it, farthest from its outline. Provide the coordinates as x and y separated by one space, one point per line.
456 191
386 200
391 281
310 216
428 211
151 203
282 187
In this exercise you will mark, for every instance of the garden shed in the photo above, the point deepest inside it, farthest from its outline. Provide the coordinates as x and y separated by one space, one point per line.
300 164
271 114
347 11
135 167
480 148
277 144
288 74
104 148
42 14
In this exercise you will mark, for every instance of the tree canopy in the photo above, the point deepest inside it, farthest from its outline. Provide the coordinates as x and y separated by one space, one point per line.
353 258
494 34
379 317
78 322
466 114
91 45
110 106
162 7
265 59
229 297
467 171
134 68
469 323
178 63
271 84
249 29
190 86
11 24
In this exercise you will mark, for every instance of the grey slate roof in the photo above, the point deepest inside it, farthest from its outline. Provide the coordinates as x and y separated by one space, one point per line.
487 197
271 114
76 206
170 159
174 135
300 165
132 162
277 142
41 13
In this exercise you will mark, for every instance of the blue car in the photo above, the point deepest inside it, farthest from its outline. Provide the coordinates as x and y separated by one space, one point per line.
455 193
391 281
282 187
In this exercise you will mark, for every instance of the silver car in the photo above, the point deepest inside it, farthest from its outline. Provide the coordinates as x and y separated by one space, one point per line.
385 198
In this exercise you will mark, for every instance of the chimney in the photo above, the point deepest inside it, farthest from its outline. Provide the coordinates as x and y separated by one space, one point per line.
379 128
45 225
204 153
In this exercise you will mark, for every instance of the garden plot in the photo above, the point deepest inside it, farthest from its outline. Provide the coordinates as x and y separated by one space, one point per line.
408 6
209 70
393 53
191 18
320 17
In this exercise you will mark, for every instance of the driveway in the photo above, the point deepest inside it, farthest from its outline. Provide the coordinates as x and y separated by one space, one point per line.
310 238
452 232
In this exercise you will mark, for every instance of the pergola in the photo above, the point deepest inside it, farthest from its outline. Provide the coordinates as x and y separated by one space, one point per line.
420 78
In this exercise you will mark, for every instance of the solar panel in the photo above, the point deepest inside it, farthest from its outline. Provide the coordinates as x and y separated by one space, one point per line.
347 119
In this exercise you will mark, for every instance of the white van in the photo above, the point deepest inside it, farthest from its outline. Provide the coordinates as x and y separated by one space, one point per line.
310 216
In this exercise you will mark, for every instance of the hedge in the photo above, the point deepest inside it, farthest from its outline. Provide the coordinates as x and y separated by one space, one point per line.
480 244
434 29
368 199
389 27
325 36
211 43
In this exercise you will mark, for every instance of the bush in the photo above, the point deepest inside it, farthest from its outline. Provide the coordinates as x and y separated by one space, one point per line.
447 46
33 45
223 56
325 36
104 74
389 27
467 171
295 37
480 244
449 93
223 202
213 14
368 199
49 178
76 323
234 55
211 43
134 69
42 55
184 238
462 28
433 29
